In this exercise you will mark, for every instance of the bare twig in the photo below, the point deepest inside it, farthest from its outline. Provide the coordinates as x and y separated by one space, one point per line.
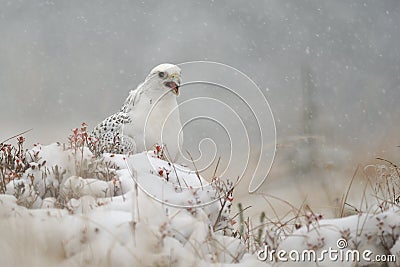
344 199
24 132
195 168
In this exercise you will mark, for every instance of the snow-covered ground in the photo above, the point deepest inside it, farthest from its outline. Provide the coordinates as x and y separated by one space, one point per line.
69 208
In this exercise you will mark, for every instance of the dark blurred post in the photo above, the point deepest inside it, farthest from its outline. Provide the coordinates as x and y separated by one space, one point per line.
309 119
313 145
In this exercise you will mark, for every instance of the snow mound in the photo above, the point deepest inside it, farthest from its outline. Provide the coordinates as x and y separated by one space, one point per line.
69 208
145 212
364 238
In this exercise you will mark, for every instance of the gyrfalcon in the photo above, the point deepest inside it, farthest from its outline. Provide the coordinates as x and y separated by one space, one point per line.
149 117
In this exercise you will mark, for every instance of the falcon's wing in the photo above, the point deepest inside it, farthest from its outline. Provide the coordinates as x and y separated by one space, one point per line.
109 134
111 124
109 131
132 98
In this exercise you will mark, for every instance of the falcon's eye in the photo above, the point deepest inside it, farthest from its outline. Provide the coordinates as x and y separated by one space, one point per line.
161 74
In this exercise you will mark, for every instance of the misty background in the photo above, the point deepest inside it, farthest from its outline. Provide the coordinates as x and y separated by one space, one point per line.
329 69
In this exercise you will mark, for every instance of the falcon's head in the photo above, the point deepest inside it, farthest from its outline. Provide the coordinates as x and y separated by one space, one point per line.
166 76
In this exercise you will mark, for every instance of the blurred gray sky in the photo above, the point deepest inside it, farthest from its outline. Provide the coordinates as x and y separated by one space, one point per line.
67 62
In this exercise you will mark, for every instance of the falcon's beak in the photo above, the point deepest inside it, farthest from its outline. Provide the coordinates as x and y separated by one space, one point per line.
174 87
174 84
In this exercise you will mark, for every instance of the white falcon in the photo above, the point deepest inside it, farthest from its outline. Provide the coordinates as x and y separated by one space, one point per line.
148 117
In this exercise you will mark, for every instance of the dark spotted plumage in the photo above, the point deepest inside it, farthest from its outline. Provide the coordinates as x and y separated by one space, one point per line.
109 134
